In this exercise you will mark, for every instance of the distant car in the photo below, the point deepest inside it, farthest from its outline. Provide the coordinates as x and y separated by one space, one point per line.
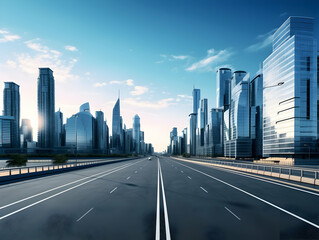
150 158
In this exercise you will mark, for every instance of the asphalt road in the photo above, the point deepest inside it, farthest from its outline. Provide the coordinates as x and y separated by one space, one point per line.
158 199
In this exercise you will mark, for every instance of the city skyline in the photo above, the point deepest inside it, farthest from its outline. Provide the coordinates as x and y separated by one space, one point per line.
91 66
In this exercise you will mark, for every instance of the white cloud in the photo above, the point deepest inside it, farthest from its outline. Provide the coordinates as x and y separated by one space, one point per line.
11 64
129 82
180 57
43 56
71 48
87 73
163 103
213 57
264 40
184 96
99 84
7 37
139 90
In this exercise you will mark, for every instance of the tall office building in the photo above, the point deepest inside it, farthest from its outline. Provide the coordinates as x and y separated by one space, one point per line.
173 141
237 142
26 132
223 79
100 131
216 131
46 108
196 99
6 131
80 130
202 119
192 133
58 129
117 131
11 107
290 109
256 114
136 133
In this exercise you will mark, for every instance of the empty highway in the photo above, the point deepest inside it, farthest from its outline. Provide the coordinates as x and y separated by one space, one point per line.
164 198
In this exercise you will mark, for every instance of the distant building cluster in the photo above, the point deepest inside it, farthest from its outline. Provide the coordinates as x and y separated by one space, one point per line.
82 132
273 115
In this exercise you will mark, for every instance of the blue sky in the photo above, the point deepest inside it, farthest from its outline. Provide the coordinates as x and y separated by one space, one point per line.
154 52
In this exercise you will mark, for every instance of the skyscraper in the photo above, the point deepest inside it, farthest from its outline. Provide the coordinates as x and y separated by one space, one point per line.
223 79
290 109
196 99
136 133
26 132
11 107
58 129
117 128
46 108
100 131
80 130
192 133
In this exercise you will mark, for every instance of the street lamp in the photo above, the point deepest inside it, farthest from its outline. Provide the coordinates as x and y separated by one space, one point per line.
276 85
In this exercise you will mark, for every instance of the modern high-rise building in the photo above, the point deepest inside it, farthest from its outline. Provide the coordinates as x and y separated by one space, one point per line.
290 91
237 77
6 131
117 130
202 120
216 131
223 79
174 141
26 132
11 107
46 108
237 142
80 130
136 133
58 129
196 99
256 114
192 133
100 132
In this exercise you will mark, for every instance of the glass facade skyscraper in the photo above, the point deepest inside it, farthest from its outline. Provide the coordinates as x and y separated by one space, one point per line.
46 108
11 107
136 133
26 132
80 130
223 79
101 132
117 131
237 133
196 99
290 110
6 131
58 129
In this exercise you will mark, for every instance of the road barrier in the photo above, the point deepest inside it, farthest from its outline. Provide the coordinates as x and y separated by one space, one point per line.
303 175
13 174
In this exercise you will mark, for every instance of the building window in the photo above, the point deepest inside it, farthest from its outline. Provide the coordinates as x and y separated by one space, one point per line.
308 99
308 64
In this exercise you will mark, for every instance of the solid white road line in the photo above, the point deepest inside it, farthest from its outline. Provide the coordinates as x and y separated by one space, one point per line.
232 213
157 232
64 191
168 234
254 196
128 178
267 181
189 177
64 185
113 190
84 214
204 189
